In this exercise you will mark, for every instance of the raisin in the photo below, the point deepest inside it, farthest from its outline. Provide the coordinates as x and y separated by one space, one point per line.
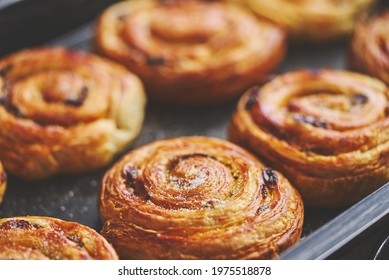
16 224
311 120
155 60
80 99
253 98
359 99
270 177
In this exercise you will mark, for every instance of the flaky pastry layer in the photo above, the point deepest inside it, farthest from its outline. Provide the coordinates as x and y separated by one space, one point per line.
45 238
65 111
190 52
198 198
369 50
327 131
315 21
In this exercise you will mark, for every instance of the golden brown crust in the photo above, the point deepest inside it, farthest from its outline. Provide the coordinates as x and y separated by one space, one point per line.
369 52
327 131
190 52
312 20
64 111
198 198
3 182
39 238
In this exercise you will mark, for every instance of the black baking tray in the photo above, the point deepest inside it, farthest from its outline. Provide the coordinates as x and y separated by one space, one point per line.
27 22
343 233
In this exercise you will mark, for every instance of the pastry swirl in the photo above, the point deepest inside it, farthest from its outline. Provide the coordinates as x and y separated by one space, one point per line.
42 238
190 52
312 20
369 51
198 198
65 111
327 131
3 182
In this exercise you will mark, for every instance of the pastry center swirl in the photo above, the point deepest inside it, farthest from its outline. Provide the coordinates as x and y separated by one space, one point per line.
175 26
64 87
317 106
199 171
55 96
336 110
168 31
191 181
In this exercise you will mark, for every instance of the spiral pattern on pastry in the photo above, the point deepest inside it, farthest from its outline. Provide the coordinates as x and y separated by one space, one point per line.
43 238
198 198
327 131
312 20
190 52
3 182
65 111
369 51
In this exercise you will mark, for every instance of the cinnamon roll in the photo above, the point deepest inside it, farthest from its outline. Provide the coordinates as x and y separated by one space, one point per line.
369 51
43 238
190 52
65 111
312 20
3 181
327 131
198 198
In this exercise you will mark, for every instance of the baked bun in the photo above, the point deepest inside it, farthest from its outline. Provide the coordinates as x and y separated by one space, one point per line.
3 182
42 238
369 52
312 20
65 111
198 198
190 52
327 131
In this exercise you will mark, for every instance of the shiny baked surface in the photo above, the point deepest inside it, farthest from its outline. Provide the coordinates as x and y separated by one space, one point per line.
312 20
43 238
369 50
190 52
65 111
198 198
327 131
